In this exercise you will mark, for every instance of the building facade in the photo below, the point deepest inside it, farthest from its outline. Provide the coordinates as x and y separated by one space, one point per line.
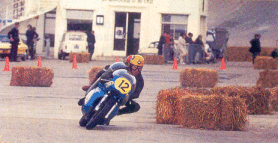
122 27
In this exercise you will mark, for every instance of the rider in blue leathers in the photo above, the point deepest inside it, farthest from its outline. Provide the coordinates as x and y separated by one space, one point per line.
134 65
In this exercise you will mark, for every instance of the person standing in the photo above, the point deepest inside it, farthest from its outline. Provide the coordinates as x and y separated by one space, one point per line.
181 48
162 41
188 39
167 49
31 36
255 46
13 35
91 43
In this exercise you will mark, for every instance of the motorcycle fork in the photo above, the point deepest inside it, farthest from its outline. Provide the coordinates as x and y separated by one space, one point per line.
101 101
111 110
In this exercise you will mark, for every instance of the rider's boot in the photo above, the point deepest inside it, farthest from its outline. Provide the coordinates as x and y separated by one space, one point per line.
81 101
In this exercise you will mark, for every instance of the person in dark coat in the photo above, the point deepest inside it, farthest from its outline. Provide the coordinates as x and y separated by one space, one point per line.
91 43
188 38
162 41
13 35
255 46
31 36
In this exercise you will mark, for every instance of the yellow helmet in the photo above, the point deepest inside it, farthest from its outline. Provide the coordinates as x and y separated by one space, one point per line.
136 60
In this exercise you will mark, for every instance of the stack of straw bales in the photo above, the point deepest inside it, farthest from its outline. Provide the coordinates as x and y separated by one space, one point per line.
256 98
268 78
93 72
238 54
31 76
80 57
265 62
195 110
242 53
274 98
153 59
192 77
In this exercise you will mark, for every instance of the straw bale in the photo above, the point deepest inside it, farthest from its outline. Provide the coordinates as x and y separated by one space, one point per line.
32 76
93 72
256 98
80 57
243 54
213 112
166 108
153 59
268 78
274 98
265 62
193 77
238 54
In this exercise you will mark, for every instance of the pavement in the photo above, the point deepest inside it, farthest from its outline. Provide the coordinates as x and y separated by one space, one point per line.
51 114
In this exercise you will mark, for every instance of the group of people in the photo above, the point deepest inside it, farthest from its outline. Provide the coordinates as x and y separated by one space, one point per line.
31 35
167 45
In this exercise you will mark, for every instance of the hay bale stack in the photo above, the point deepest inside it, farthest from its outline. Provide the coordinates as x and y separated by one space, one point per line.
268 78
265 62
238 54
166 105
213 112
31 76
193 77
256 98
274 98
93 72
80 57
153 59
266 51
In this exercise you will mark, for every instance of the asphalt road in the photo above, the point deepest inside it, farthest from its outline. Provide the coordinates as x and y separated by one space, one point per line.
51 114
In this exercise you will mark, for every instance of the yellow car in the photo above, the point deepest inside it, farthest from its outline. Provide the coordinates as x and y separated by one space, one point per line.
5 48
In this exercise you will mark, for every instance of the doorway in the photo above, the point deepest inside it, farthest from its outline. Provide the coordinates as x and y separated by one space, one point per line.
127 32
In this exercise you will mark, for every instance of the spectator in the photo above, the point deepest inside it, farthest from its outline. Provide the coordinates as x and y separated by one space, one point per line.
166 48
181 48
162 41
91 43
188 38
199 50
13 35
199 40
31 36
255 46
274 53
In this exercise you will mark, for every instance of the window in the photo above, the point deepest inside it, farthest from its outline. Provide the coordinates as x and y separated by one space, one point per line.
174 24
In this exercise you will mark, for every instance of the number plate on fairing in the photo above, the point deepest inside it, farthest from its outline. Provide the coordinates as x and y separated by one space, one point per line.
123 85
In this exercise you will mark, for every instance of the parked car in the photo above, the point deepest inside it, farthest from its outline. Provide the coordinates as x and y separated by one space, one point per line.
73 42
5 48
152 48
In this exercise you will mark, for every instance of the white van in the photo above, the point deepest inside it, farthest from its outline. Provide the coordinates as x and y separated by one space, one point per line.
73 42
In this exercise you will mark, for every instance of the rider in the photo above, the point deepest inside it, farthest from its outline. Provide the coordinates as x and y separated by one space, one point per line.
134 65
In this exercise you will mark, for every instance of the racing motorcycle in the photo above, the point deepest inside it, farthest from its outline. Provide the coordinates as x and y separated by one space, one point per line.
106 95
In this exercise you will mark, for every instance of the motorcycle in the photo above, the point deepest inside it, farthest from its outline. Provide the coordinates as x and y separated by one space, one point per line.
106 95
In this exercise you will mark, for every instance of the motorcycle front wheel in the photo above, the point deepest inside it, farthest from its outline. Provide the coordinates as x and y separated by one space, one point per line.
99 115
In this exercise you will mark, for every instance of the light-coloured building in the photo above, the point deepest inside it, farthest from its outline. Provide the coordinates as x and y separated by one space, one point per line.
121 26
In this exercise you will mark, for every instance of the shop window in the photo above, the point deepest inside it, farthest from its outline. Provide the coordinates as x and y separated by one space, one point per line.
174 24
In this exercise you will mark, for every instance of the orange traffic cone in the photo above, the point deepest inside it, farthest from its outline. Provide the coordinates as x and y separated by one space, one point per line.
117 59
74 62
175 65
222 64
39 62
7 66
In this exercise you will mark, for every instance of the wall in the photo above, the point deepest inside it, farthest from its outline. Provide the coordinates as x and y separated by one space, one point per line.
150 19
